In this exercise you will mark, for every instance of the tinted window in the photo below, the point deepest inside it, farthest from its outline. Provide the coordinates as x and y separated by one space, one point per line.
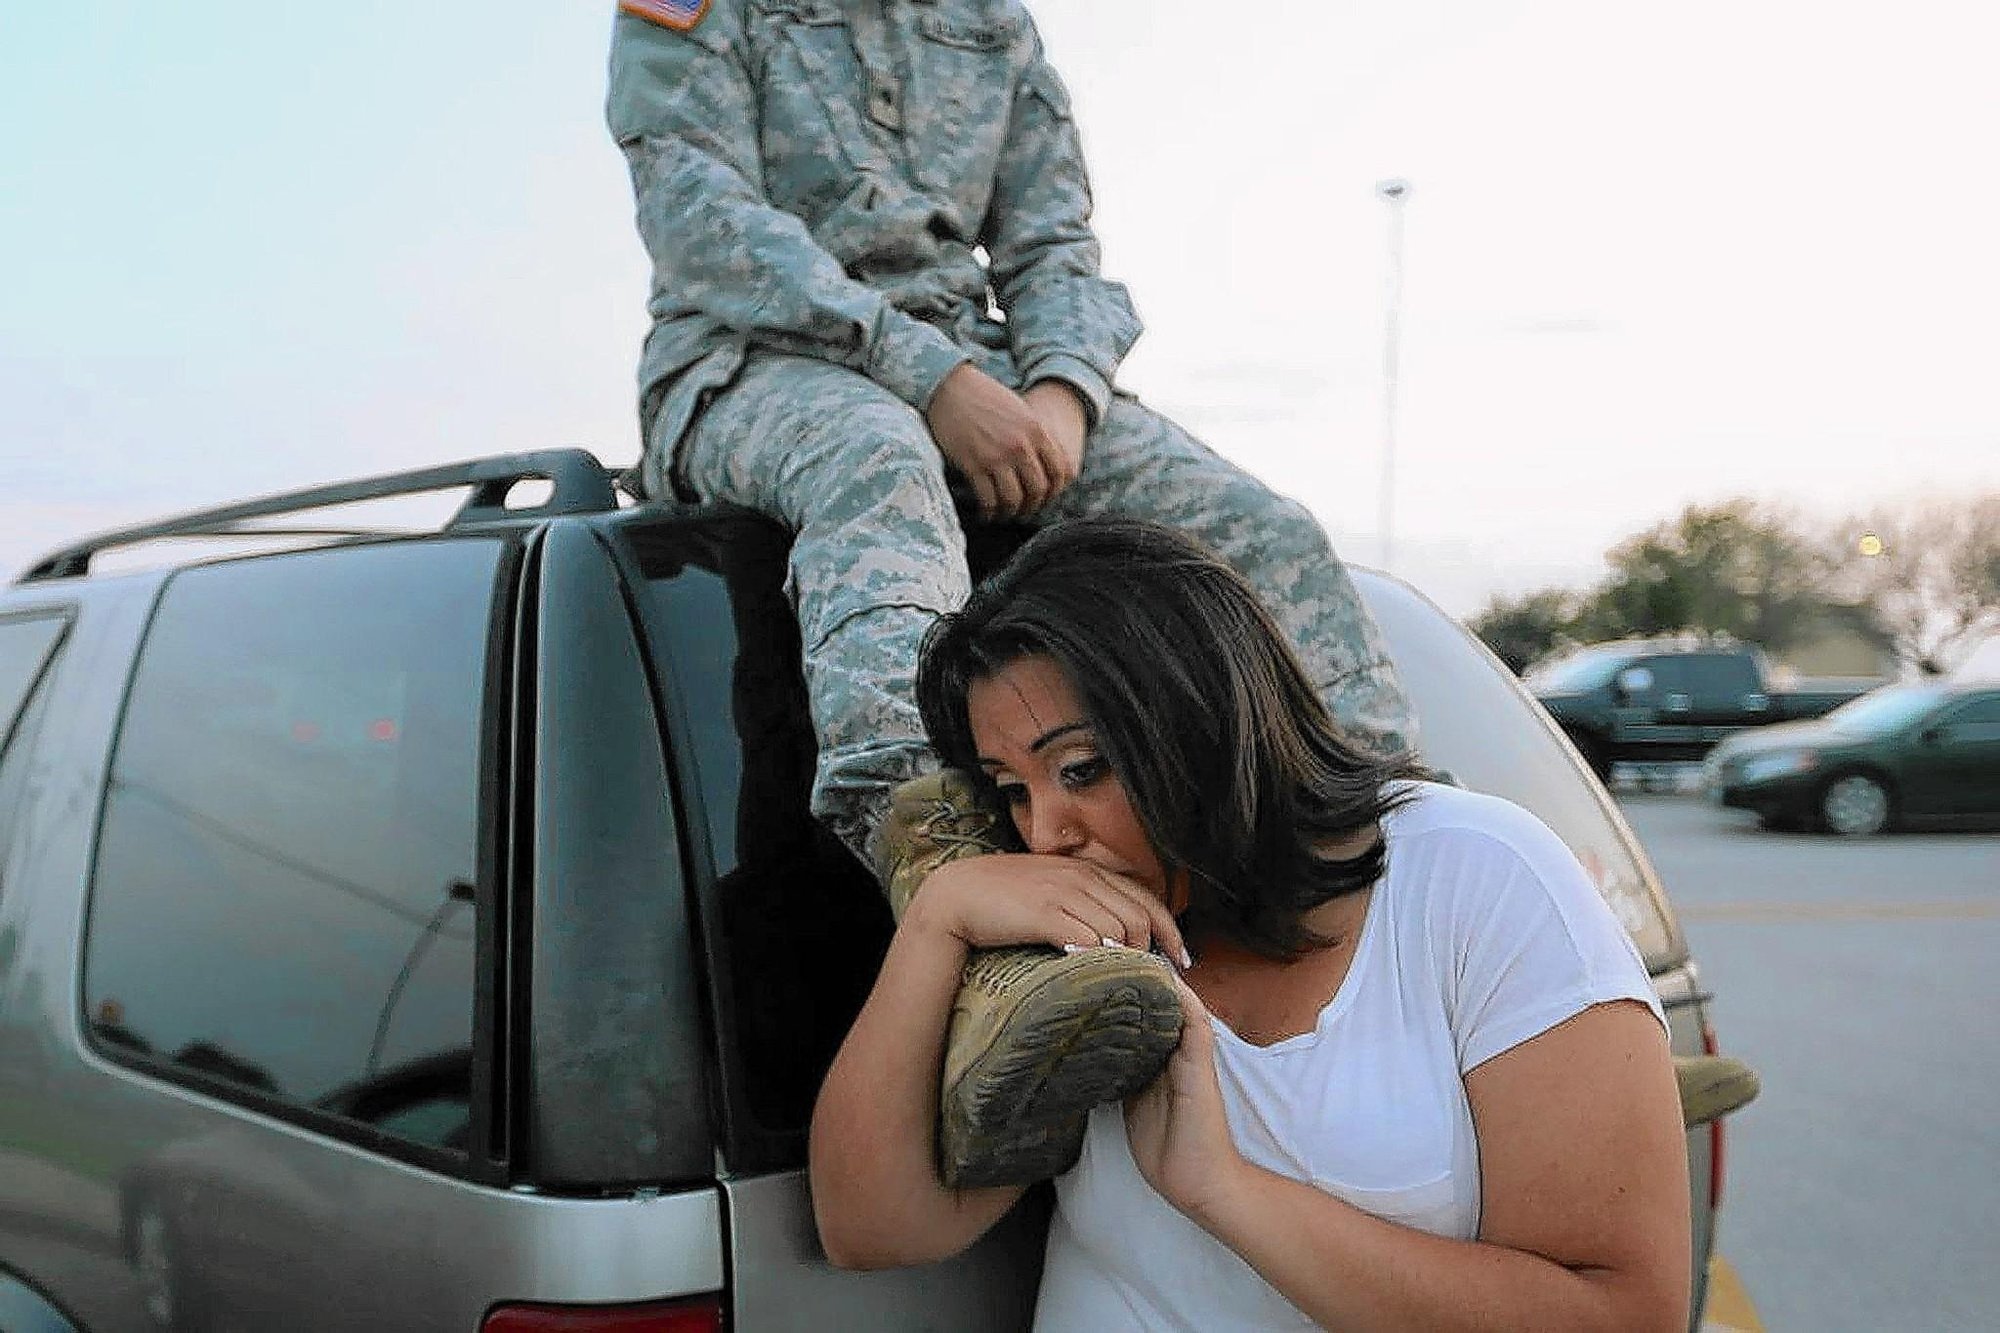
1882 711
25 648
16 791
1722 675
1981 708
1977 720
793 926
284 887
1670 676
1584 670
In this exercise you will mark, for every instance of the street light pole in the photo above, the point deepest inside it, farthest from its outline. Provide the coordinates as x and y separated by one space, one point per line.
1393 191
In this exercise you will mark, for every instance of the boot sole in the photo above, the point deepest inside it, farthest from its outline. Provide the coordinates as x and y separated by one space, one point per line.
1073 1042
1730 1092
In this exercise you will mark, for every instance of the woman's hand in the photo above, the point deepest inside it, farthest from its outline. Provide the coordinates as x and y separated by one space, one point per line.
1177 1128
991 901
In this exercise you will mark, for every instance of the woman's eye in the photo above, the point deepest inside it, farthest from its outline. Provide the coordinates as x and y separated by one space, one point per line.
1082 772
1012 793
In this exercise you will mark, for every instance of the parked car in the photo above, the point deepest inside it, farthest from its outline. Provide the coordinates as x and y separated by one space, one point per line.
429 932
1906 756
1650 701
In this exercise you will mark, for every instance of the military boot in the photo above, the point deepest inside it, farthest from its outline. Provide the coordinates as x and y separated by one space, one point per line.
1712 1086
1037 1037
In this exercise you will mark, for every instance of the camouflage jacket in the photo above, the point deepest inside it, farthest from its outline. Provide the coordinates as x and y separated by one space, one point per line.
853 180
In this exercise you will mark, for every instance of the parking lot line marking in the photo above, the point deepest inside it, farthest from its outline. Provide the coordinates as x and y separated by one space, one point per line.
1729 1309
1781 911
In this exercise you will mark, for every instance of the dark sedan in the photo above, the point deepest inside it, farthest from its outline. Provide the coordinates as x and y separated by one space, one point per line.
1904 756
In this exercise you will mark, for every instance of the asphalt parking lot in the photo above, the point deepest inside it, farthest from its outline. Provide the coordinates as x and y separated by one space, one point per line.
1860 978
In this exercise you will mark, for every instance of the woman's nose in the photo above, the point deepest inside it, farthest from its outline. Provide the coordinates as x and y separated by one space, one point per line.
1052 828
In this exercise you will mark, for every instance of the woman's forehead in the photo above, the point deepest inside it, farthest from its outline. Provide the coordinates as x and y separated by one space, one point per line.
1021 702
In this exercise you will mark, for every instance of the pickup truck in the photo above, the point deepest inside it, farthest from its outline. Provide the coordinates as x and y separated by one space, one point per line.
1650 701
426 930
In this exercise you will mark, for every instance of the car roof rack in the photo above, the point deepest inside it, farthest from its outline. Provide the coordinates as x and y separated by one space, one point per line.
580 483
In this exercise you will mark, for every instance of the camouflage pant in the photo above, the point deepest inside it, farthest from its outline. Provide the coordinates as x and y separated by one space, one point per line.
878 553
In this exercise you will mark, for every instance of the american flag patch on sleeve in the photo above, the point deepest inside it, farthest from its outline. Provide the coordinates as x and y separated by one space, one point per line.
680 15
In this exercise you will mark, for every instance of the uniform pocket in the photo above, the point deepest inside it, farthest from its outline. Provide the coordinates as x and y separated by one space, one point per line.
969 36
809 83
815 13
1043 82
1426 1206
965 73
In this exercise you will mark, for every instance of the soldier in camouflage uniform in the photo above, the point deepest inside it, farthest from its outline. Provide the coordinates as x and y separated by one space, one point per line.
835 195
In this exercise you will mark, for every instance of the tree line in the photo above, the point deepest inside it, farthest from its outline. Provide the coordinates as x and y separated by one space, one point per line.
1920 580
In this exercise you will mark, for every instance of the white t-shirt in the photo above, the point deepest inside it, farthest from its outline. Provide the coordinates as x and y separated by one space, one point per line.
1483 933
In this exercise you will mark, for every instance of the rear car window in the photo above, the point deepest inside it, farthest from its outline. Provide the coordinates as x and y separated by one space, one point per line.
1726 674
793 927
27 643
1671 675
28 649
1977 720
283 900
1585 670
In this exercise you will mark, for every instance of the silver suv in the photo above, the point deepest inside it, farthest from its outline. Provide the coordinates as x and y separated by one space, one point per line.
428 931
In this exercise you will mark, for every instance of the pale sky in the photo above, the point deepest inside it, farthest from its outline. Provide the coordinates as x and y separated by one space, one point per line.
1653 255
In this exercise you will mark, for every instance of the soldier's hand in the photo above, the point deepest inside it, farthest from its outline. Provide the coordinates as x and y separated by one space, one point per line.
1061 409
1001 445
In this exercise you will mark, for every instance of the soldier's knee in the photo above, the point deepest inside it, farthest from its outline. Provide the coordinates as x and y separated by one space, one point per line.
876 427
874 431
857 464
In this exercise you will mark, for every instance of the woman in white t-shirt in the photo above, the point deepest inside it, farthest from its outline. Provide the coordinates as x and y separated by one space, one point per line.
1423 1082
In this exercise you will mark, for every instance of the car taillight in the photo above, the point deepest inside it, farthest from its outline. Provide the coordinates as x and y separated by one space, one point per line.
702 1315
1715 1133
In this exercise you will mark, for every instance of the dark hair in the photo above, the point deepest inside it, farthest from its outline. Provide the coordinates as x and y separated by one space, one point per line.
1233 764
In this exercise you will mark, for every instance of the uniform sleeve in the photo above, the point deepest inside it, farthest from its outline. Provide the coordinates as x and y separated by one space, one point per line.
1531 941
682 108
1064 321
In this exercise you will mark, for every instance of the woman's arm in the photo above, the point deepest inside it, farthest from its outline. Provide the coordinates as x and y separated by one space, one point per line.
876 1192
1584 1221
875 1189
